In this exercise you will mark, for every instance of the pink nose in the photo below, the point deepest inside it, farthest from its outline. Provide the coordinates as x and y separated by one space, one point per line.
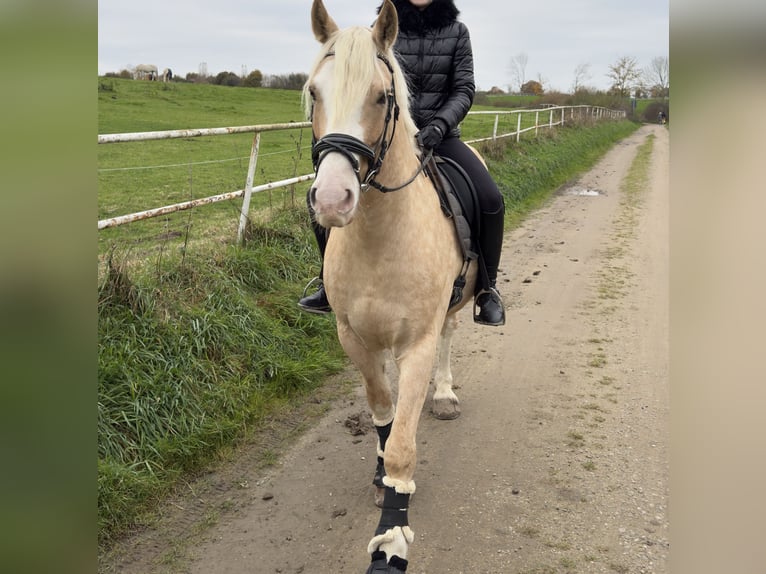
332 208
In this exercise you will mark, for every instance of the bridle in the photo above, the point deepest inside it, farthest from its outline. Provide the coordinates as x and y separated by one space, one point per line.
348 145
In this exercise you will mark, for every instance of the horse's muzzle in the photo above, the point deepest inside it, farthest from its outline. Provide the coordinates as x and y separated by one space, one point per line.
335 192
335 213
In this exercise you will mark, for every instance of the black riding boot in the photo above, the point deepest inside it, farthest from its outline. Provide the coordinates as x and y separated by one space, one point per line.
317 302
491 310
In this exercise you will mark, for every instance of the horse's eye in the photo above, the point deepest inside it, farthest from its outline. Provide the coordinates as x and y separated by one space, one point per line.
382 98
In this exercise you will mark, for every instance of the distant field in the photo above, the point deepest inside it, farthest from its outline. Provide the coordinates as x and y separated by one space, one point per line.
142 175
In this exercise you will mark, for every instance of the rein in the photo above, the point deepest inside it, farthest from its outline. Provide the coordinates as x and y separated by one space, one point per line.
348 145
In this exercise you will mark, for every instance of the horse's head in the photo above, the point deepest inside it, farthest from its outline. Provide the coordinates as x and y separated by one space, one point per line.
351 97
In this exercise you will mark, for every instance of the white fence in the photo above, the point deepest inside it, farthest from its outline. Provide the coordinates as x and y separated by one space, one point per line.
544 118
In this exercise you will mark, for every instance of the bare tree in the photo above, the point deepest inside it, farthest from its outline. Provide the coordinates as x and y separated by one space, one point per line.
581 75
625 75
518 68
542 81
658 77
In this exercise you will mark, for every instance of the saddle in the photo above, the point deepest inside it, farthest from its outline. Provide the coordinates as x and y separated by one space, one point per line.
459 202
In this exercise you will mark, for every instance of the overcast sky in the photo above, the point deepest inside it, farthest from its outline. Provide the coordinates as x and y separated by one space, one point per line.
275 37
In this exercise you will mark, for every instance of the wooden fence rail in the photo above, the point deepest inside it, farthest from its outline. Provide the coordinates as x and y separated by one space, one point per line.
556 115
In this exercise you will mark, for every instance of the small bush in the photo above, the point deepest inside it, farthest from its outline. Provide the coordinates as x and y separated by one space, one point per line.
105 86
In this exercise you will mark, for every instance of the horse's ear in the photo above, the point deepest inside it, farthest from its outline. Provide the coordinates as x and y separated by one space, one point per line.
324 26
386 27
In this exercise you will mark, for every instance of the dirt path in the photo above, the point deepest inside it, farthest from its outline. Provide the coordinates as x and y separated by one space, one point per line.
559 462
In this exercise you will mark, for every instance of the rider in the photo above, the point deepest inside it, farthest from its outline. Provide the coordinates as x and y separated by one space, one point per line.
434 50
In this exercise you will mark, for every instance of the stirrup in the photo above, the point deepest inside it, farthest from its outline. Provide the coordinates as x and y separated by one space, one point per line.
316 279
317 302
479 316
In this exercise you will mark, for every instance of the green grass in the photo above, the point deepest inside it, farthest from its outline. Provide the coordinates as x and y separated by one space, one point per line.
137 176
192 356
201 339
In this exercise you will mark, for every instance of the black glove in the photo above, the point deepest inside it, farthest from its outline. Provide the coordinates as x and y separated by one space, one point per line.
431 136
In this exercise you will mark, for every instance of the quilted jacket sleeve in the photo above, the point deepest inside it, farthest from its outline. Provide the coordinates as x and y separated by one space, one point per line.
459 94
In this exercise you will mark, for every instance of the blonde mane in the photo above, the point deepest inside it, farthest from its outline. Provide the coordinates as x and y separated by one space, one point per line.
356 64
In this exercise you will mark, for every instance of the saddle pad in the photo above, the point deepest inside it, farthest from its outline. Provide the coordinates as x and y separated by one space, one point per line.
461 187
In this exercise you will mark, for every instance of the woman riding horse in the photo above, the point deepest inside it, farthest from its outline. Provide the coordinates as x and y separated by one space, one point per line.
434 49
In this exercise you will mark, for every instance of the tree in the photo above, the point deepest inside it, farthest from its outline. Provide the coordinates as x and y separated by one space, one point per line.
657 76
581 75
625 75
294 81
254 79
532 88
518 68
227 79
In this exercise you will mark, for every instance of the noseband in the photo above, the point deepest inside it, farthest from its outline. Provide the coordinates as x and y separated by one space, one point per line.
348 145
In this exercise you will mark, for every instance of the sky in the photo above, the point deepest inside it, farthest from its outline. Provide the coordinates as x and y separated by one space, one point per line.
275 37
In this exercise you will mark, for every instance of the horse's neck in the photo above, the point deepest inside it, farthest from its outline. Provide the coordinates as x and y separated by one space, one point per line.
395 208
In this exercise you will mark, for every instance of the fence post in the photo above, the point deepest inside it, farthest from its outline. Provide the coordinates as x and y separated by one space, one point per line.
518 126
550 119
248 187
537 121
494 131
563 112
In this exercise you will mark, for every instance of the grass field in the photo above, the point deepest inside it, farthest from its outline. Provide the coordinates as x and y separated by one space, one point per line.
200 339
136 176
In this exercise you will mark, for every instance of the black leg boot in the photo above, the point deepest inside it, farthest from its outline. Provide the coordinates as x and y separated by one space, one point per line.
488 305
316 302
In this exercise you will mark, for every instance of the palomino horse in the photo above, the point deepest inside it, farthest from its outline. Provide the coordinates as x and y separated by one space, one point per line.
393 256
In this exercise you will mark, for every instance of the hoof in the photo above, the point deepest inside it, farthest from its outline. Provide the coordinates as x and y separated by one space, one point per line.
445 409
380 492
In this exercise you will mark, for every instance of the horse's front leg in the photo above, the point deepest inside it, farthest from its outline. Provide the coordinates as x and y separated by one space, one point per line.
379 398
445 404
390 544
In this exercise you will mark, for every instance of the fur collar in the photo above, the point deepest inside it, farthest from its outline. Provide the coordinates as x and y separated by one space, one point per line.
438 14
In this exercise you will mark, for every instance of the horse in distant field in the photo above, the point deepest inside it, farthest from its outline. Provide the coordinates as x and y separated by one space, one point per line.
392 257
146 71
167 75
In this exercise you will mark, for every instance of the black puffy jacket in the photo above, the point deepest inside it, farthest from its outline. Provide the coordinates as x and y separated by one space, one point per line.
434 50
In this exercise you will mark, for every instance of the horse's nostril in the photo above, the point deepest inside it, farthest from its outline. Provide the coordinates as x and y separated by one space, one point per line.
348 202
313 195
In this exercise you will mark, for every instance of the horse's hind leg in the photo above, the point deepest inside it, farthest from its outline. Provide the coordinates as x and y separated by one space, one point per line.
445 405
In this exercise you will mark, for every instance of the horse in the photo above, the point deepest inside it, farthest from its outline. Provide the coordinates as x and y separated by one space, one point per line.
146 71
392 256
167 75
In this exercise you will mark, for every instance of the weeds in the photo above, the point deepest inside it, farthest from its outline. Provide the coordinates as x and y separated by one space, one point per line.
191 359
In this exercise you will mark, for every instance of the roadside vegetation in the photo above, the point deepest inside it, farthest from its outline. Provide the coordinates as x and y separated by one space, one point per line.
200 339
